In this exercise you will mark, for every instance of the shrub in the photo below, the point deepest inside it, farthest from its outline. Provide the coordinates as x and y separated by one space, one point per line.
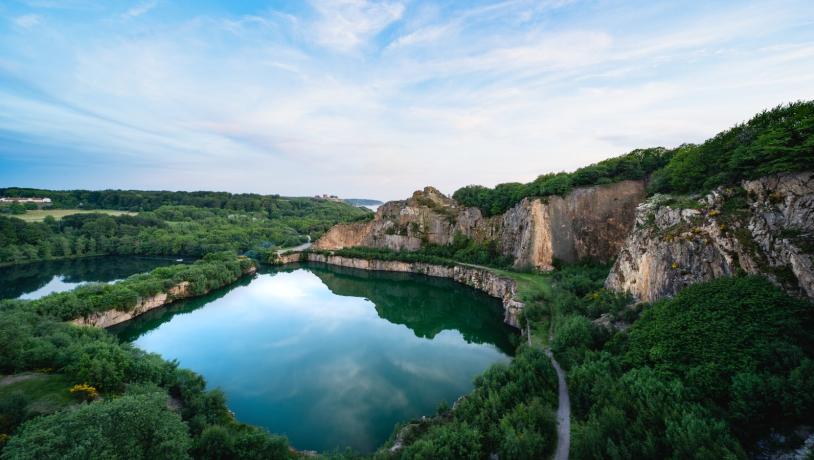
133 427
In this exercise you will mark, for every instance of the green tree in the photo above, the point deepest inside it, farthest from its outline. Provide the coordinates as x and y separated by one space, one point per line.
130 427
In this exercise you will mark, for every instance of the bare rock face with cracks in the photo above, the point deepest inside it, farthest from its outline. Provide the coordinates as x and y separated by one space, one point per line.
587 223
764 226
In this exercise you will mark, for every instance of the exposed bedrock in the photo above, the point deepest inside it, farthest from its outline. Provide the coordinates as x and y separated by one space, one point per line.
765 226
588 223
112 317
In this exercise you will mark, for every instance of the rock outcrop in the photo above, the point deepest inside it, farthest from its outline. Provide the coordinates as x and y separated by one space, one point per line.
764 227
109 318
482 279
587 223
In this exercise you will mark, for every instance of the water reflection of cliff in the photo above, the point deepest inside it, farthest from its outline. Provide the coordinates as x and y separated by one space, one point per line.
133 329
17 280
424 304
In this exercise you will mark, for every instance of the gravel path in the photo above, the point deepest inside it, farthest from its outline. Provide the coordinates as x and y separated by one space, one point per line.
563 412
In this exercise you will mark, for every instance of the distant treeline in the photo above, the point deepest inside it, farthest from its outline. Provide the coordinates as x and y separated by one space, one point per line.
140 200
777 140
169 230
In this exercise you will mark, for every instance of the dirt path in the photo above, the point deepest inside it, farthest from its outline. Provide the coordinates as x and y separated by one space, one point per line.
14 378
564 404
563 412
301 247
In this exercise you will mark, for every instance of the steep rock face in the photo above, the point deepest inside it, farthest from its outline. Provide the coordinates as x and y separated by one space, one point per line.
109 318
426 217
590 222
765 227
481 279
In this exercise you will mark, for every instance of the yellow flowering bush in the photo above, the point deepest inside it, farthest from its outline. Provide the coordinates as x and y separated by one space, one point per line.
84 391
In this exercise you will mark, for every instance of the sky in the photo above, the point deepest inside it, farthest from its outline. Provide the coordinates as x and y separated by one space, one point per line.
375 99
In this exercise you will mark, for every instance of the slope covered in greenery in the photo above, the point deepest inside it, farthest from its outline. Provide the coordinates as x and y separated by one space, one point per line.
777 140
511 411
706 374
146 407
168 230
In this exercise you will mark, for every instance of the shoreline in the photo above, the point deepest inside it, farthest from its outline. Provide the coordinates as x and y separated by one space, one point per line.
180 291
482 279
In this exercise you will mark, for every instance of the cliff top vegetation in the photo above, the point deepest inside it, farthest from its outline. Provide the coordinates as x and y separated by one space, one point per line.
773 141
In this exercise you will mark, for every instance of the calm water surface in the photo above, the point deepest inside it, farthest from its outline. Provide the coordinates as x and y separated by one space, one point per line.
332 357
35 280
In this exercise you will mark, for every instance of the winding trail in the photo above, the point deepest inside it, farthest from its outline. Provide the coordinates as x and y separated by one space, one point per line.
564 406
563 412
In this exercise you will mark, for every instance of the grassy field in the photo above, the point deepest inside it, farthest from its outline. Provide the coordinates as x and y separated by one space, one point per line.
44 393
39 215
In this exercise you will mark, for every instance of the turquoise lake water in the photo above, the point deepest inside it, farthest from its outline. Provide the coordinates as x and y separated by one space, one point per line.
332 357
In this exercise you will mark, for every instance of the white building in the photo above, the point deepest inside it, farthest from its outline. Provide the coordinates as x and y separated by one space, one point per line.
15 199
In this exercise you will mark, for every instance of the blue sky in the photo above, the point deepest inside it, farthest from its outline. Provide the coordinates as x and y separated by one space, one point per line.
375 99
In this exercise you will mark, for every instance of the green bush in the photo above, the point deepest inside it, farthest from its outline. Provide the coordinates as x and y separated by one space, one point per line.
773 141
213 271
30 341
132 427
510 411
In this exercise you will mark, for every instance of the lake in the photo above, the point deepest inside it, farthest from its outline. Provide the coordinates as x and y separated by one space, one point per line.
35 280
328 356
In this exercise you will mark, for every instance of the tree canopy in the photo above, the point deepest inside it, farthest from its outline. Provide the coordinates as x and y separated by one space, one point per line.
773 141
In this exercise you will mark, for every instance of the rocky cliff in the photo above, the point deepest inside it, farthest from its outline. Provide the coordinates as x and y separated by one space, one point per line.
109 318
481 279
590 222
765 227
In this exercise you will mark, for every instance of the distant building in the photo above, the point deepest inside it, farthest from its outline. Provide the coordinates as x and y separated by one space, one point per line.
327 197
20 199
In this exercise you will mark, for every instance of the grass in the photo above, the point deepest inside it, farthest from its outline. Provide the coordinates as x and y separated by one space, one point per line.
38 215
533 288
46 393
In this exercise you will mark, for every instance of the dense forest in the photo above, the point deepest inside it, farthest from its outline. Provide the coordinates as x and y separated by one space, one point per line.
707 374
140 200
127 403
777 140
177 230
511 412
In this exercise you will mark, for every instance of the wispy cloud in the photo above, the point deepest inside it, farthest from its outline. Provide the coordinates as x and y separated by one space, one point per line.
347 24
27 21
140 8
379 98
